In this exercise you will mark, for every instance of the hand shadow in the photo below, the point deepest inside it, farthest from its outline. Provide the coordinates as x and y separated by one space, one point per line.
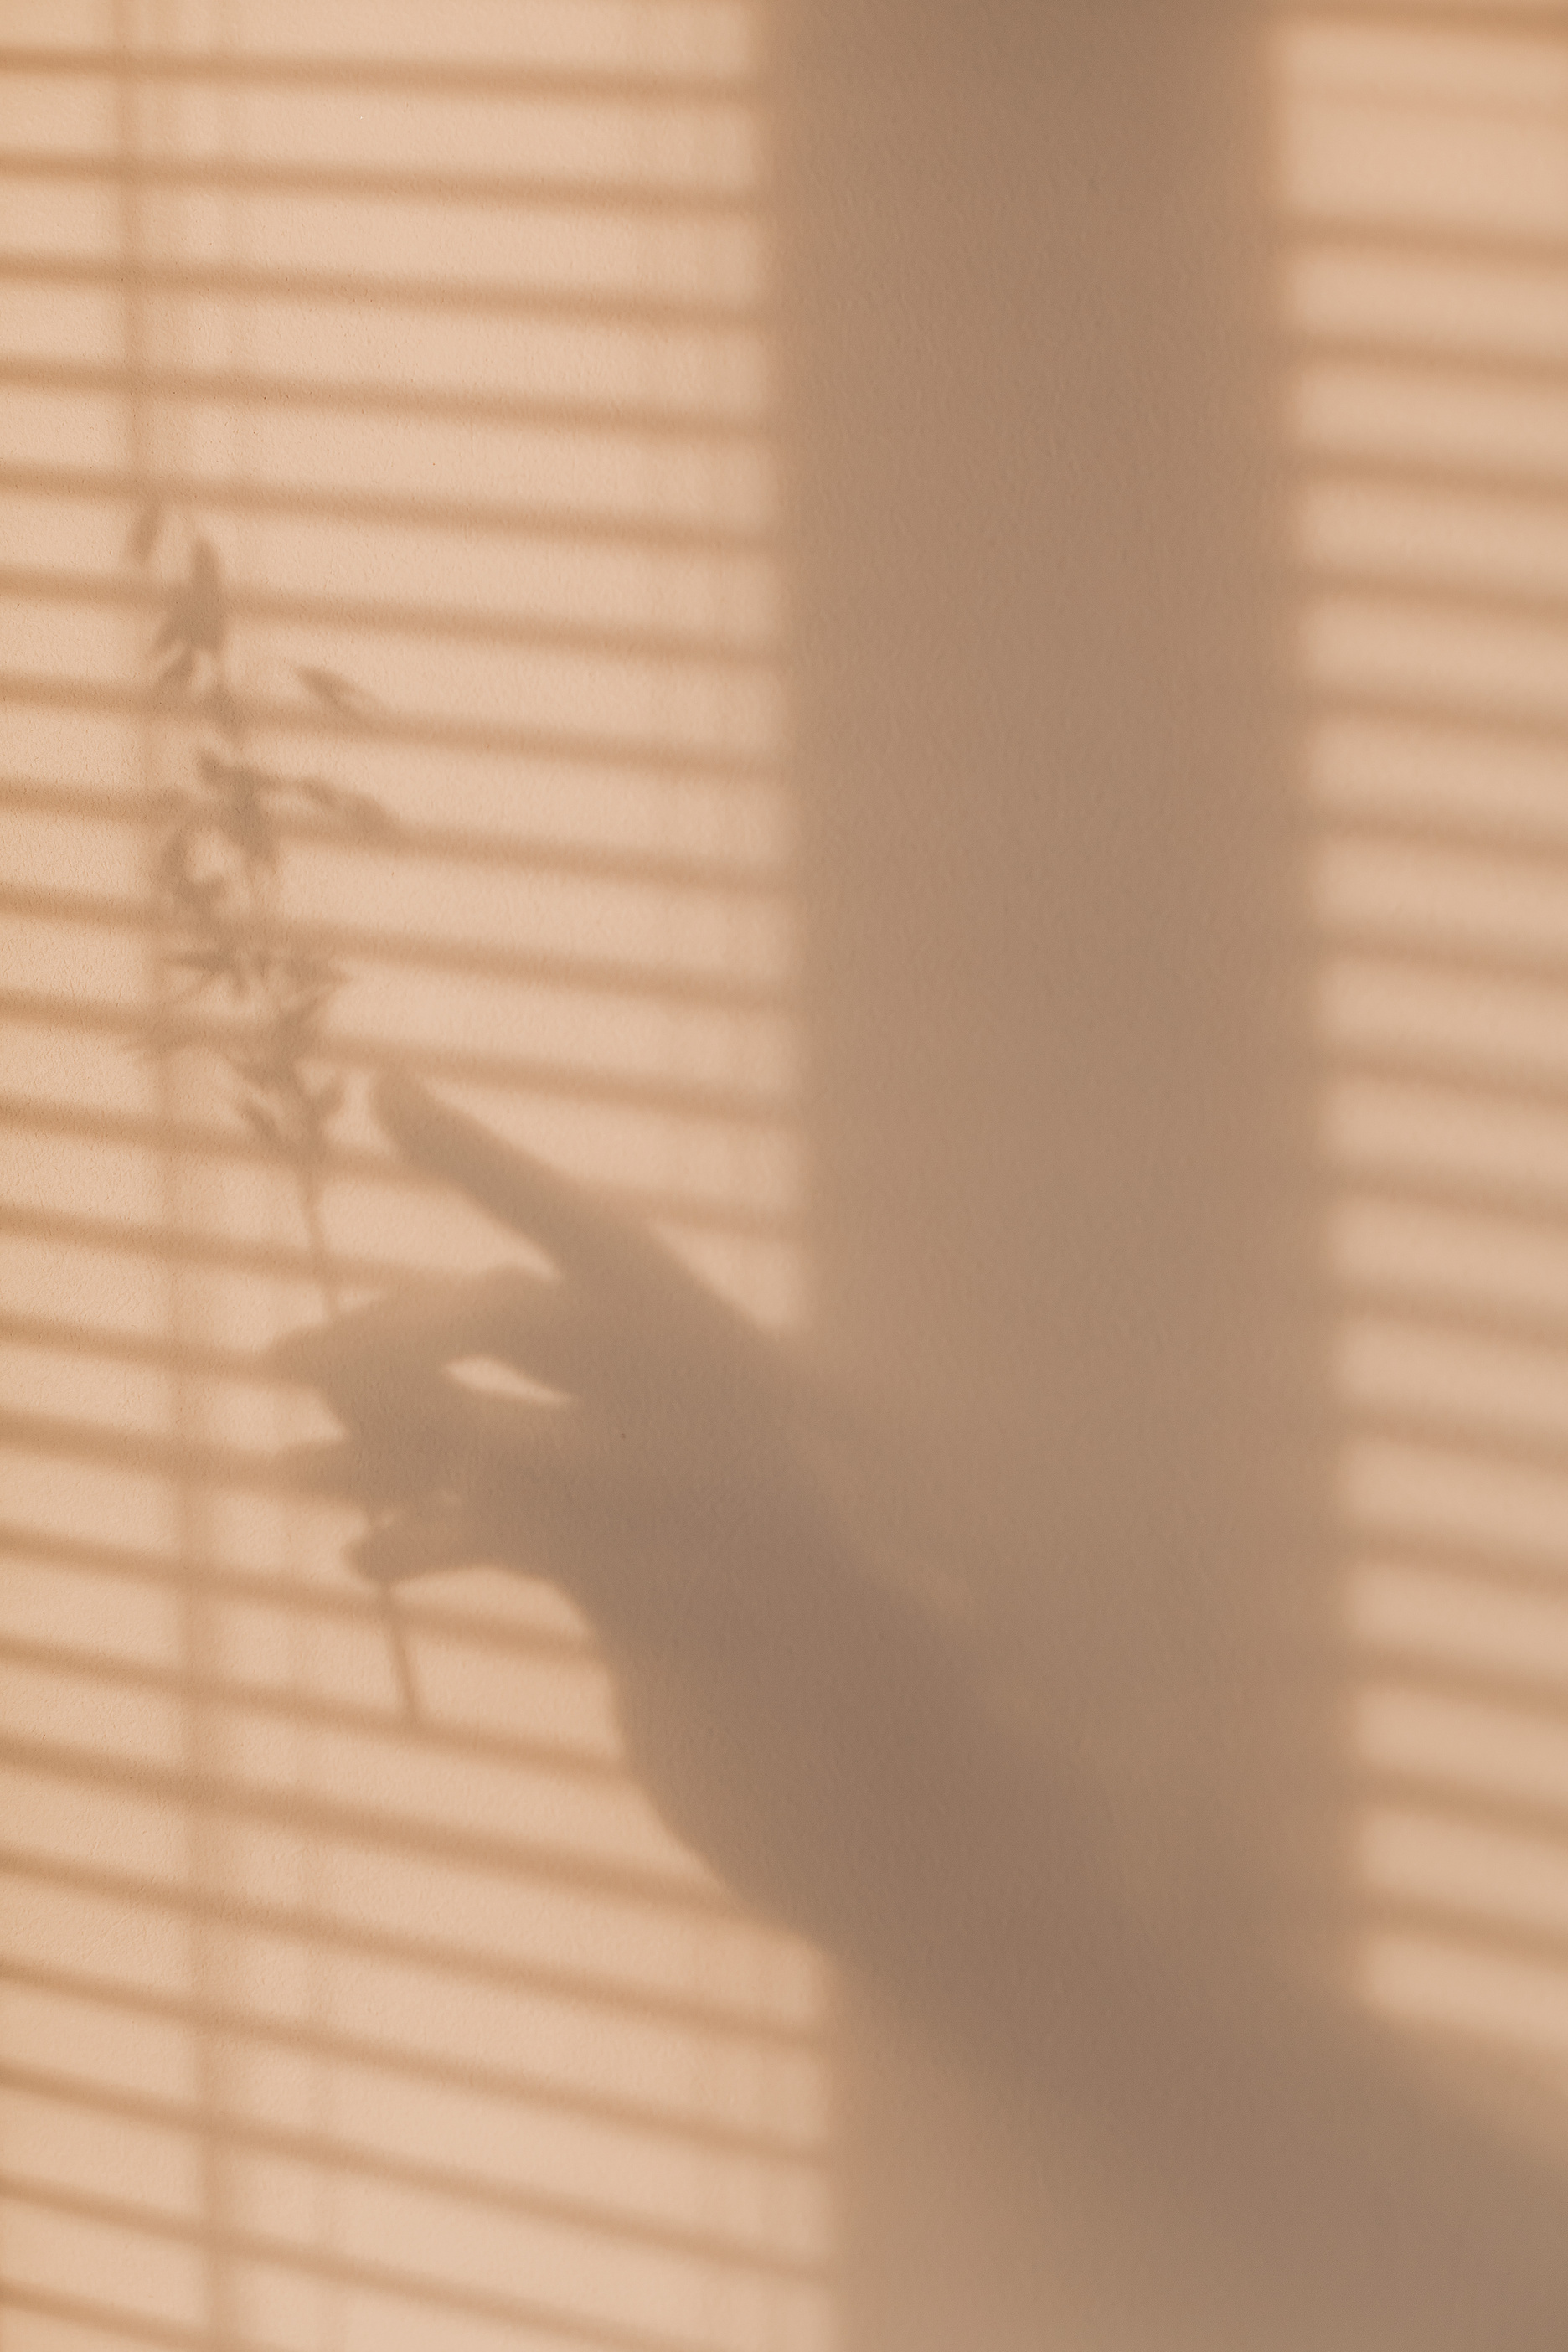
1279 2180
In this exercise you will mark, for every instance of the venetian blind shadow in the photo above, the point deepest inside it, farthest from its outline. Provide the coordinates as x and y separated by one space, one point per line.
1421 194
450 327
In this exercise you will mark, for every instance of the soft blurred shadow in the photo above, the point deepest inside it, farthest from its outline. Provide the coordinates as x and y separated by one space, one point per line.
1179 617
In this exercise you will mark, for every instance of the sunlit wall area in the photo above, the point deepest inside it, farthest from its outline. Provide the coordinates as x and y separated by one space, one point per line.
349 1993
1422 182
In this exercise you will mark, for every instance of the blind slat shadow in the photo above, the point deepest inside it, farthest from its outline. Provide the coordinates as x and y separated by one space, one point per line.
736 423
251 1698
682 1210
450 1970
383 182
662 757
288 2255
659 88
110 2319
497 520
540 304
334 1604
355 2159
674 1889
727 986
683 644
753 867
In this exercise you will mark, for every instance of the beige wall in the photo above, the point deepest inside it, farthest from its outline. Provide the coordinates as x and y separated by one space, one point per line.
1171 706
